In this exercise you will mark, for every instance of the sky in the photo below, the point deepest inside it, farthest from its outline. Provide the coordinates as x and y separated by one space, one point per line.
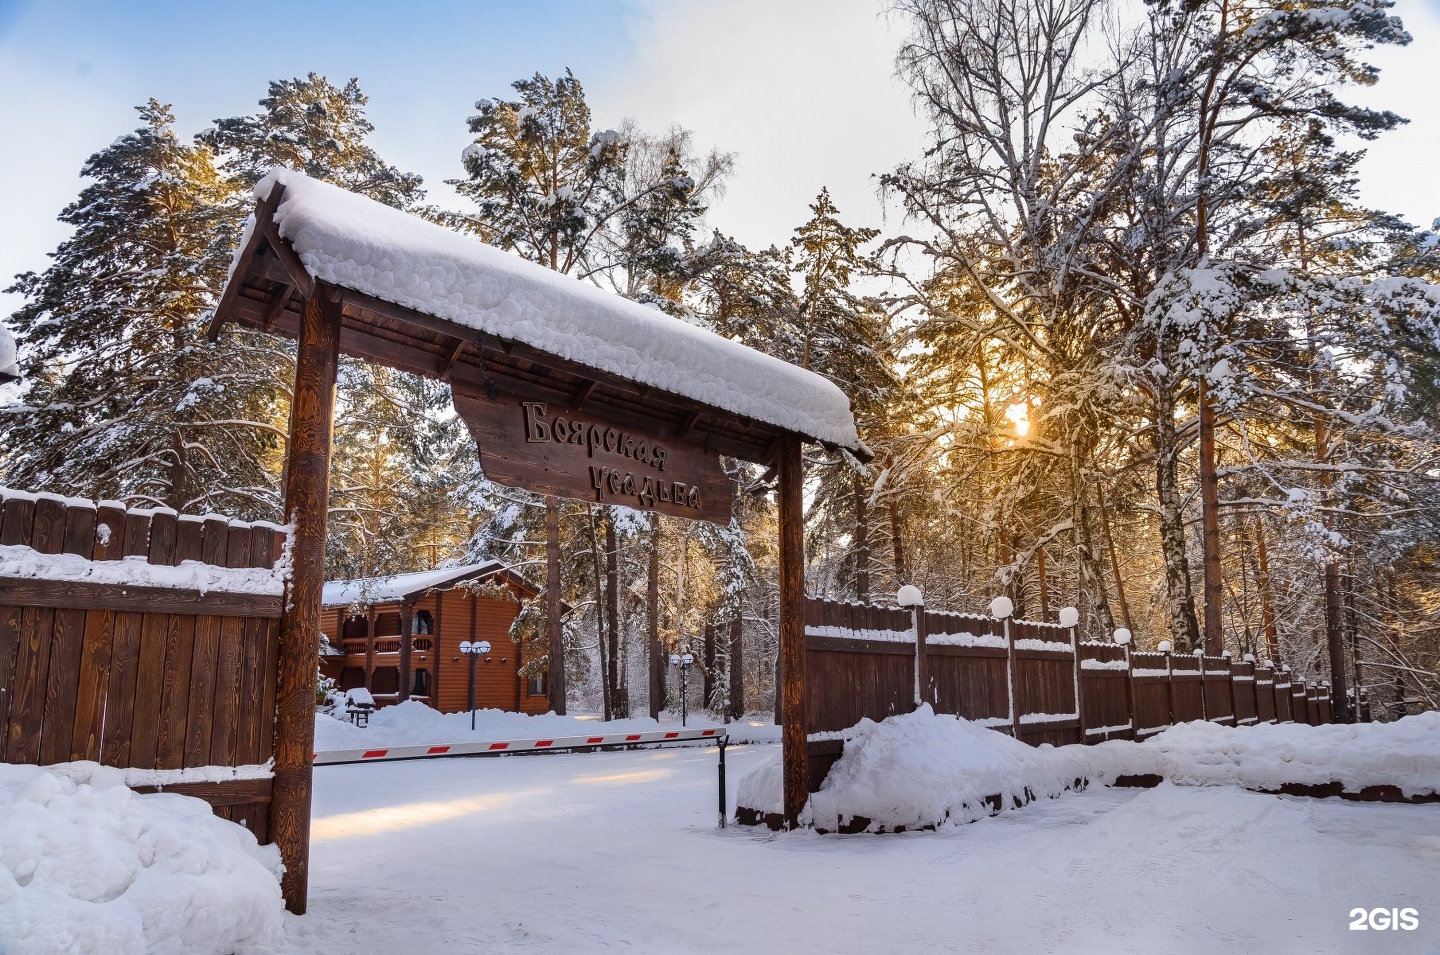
801 90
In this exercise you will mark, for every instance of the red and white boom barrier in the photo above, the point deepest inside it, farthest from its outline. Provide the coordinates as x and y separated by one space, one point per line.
503 747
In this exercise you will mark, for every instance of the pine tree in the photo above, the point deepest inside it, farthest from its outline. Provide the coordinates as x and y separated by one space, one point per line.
396 459
314 127
125 398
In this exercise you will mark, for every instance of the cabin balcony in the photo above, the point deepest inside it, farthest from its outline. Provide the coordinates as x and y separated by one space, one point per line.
387 651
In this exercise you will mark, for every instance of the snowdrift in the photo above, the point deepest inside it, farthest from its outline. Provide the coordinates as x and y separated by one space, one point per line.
921 770
1404 754
88 865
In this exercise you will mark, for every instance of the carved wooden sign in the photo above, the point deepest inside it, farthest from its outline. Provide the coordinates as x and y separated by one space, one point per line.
549 448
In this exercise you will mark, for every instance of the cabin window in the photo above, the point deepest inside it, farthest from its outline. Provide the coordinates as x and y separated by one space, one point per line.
354 629
351 677
420 686
536 685
423 623
387 625
386 680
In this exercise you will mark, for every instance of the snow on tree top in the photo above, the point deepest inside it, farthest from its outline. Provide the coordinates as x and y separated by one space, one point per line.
357 243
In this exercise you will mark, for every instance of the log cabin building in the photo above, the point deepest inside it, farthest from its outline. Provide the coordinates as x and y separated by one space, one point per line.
399 637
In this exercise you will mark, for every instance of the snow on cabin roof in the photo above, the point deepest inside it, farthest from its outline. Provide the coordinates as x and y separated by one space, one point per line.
357 243
376 590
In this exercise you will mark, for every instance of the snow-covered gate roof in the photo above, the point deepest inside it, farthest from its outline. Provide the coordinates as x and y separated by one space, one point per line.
423 299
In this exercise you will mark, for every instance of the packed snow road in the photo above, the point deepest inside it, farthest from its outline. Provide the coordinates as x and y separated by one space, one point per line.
620 851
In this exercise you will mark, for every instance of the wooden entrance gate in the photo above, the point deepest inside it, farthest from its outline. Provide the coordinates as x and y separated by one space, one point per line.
523 350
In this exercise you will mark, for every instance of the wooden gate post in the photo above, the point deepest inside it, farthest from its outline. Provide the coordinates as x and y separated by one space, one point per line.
1013 666
554 632
922 659
307 492
792 629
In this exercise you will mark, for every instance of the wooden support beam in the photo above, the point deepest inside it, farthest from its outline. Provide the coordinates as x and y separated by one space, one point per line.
264 216
407 638
587 386
307 492
87 595
450 359
792 629
688 424
300 276
282 298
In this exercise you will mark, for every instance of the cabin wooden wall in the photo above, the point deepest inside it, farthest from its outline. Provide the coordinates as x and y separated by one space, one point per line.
458 616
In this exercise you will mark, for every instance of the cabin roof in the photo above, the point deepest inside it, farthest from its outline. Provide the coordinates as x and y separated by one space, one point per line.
422 298
396 588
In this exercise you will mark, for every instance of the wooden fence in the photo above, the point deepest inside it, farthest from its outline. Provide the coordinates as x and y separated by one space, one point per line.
150 676
1035 681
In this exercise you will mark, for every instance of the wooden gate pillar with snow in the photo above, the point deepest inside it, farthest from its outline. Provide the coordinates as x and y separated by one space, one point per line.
792 629
307 493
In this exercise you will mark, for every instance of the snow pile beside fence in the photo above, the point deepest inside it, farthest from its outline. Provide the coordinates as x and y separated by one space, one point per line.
90 866
1404 754
413 724
921 769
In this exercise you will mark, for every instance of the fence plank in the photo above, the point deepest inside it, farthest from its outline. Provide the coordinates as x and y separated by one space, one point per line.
189 534
67 644
115 739
202 691
175 692
226 701
149 688
9 652
94 684
46 534
32 665
18 518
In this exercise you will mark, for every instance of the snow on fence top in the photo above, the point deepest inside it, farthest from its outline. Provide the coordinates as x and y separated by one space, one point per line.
356 243
65 540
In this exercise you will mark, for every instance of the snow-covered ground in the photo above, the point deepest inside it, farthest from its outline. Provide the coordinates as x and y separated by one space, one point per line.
620 851
415 724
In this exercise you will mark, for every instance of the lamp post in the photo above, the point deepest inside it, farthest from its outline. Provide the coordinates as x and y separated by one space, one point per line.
480 648
683 659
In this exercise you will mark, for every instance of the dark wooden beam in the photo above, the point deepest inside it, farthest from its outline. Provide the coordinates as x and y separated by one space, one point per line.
449 361
264 216
300 276
792 630
407 638
230 792
87 595
282 299
587 387
688 424
307 492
